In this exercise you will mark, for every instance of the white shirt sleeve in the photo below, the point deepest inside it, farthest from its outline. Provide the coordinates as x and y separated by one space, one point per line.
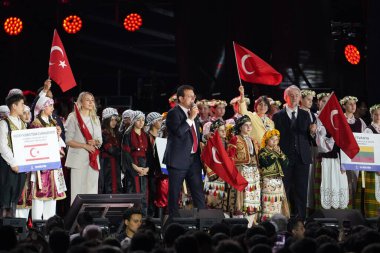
5 151
42 93
324 144
70 127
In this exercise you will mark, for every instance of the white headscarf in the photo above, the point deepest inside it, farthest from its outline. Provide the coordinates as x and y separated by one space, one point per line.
41 104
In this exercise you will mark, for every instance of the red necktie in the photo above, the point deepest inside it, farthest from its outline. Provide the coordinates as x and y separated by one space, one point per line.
195 140
194 134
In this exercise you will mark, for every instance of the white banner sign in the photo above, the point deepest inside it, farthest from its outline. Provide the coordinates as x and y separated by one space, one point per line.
161 147
36 149
368 158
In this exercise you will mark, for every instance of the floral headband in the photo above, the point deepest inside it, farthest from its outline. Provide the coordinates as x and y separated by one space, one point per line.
374 108
305 93
276 102
269 134
203 102
322 95
220 102
344 100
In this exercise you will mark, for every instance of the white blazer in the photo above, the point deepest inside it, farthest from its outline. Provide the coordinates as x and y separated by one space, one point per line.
78 158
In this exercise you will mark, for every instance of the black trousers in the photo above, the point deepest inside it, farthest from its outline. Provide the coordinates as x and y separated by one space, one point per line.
193 177
296 182
11 185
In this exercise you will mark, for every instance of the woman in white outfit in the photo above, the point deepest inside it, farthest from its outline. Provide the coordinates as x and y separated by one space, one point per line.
84 141
334 184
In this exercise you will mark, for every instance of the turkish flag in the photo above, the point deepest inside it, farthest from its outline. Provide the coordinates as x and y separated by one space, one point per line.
215 156
336 124
59 67
253 69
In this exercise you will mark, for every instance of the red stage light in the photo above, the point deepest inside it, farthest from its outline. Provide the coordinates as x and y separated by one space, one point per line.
132 22
13 26
72 24
352 54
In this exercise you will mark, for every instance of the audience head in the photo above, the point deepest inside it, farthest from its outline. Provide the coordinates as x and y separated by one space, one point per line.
54 222
84 219
8 238
296 228
172 232
281 222
59 241
132 221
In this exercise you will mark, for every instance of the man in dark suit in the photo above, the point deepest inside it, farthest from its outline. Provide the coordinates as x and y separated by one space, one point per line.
296 129
182 155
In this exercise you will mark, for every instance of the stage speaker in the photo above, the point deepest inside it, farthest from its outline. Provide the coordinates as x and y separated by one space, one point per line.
102 206
235 221
208 217
354 217
19 225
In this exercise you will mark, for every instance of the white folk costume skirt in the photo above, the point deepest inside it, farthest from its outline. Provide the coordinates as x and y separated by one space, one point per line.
272 197
249 200
334 185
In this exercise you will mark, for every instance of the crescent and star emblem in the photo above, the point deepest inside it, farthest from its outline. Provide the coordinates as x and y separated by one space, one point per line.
57 48
33 152
333 112
243 59
214 154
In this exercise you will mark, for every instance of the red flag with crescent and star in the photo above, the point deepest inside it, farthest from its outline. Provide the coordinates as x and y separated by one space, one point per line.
253 69
215 157
336 124
59 67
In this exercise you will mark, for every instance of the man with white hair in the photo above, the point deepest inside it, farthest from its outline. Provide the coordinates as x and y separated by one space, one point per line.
296 130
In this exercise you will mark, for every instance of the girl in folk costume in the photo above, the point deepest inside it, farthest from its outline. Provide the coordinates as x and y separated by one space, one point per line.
48 186
334 190
4 111
110 174
11 182
25 201
235 103
316 184
218 109
368 192
127 180
158 182
135 145
215 187
357 126
306 103
260 121
274 107
204 111
125 121
271 161
84 138
243 150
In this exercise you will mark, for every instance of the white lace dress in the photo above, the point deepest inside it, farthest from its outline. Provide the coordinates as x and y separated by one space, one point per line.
334 184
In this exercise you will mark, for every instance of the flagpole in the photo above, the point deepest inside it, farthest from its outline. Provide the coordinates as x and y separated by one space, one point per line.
237 67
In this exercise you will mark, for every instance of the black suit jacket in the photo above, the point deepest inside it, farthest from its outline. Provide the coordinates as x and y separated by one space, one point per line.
282 123
180 140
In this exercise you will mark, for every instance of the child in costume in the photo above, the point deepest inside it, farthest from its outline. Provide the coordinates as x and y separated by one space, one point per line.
271 161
